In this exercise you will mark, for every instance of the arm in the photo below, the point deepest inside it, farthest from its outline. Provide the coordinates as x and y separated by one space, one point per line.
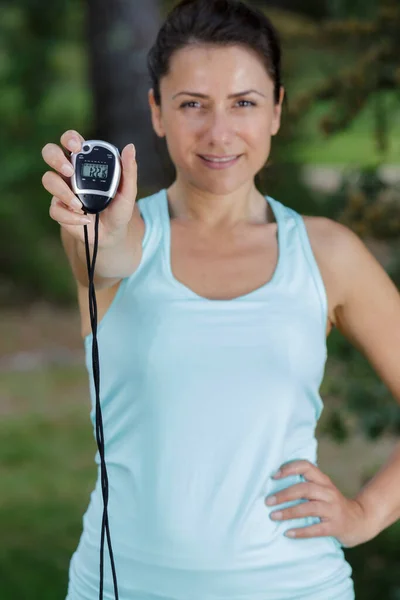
112 264
369 316
380 497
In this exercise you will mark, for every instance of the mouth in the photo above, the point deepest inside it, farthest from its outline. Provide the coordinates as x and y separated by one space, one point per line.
220 162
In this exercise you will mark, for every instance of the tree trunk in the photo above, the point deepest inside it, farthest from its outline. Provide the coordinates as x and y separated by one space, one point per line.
119 35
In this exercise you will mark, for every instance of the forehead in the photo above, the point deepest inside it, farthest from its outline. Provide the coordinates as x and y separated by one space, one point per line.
209 66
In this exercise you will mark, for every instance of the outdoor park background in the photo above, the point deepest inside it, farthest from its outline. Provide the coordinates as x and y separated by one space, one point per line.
80 65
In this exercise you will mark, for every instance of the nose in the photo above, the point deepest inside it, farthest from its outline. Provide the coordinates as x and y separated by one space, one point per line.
220 128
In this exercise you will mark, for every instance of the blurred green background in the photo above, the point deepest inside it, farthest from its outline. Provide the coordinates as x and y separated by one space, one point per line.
337 154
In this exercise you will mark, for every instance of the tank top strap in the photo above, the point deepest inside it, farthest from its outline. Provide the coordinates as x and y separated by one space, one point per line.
299 246
285 225
153 217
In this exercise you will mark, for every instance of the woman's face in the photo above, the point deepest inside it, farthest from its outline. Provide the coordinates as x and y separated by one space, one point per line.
216 124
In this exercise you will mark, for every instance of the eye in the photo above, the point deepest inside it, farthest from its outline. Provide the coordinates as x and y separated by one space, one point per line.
187 103
251 103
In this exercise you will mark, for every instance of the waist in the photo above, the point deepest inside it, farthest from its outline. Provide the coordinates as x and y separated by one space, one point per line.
211 547
312 576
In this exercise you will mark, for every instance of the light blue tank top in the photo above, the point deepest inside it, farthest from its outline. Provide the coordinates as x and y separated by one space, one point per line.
202 400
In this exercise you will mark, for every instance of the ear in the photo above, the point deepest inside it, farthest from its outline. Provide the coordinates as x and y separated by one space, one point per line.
276 120
156 117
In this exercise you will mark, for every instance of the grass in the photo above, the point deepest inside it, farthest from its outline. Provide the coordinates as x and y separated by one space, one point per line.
47 472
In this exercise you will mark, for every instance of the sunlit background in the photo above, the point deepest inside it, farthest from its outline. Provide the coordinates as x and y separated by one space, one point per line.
71 64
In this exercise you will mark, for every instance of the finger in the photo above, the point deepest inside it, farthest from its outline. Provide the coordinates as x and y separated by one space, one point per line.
72 140
305 509
128 183
55 158
307 490
64 216
297 490
57 187
318 530
292 467
305 468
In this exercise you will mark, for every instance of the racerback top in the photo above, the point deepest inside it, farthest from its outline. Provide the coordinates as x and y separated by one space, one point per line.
202 401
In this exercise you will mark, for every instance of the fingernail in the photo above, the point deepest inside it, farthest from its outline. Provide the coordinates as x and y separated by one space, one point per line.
271 500
67 170
85 221
279 472
132 150
74 144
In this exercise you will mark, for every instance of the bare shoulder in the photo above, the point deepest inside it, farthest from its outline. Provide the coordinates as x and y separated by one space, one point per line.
368 309
335 247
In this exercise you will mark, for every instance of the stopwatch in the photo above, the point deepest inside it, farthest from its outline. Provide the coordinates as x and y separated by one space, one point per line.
97 172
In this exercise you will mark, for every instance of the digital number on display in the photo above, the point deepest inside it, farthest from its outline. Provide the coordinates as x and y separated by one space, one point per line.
94 170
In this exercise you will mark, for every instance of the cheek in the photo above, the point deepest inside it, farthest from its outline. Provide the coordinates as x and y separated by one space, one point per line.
183 139
180 125
259 144
181 133
255 131
180 148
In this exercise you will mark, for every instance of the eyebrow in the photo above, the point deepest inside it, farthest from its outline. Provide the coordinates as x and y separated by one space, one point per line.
230 96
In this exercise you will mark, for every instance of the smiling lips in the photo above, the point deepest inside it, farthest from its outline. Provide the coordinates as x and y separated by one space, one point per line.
219 162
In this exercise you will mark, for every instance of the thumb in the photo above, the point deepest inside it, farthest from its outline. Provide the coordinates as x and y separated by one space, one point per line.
128 183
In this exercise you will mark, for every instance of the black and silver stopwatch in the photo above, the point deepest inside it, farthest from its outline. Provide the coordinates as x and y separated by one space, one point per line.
97 172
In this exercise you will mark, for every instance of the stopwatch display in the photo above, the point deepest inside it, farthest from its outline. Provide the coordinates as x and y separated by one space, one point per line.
97 171
94 170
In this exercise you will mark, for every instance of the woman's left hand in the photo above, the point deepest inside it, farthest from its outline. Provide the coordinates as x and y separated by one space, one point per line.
341 517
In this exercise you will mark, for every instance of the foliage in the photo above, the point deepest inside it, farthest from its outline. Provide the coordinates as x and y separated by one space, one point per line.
43 93
374 44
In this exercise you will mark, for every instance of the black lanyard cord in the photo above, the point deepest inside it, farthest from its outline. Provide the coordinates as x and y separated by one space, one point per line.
99 420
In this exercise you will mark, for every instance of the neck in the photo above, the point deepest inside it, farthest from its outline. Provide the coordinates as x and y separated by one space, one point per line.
224 212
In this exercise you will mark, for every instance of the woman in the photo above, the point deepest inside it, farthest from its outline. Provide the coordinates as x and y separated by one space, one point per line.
214 303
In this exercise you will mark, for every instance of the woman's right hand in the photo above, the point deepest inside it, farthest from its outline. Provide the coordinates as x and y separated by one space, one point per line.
66 208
